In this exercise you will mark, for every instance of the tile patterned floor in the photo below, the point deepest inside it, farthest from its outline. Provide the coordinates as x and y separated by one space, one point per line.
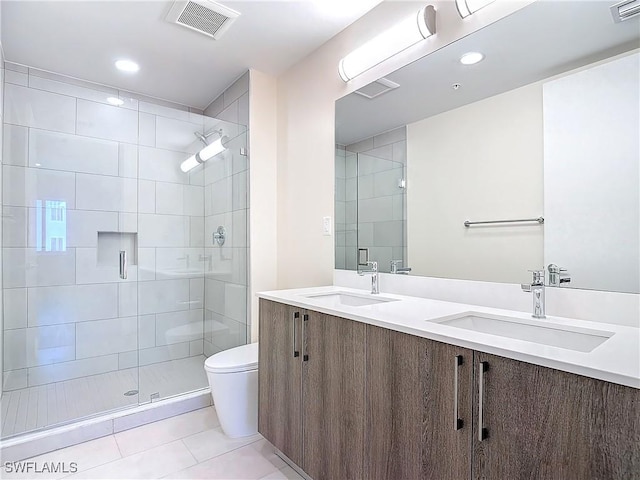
46 405
191 445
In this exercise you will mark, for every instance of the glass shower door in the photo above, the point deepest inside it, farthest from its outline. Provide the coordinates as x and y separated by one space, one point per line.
70 334
193 250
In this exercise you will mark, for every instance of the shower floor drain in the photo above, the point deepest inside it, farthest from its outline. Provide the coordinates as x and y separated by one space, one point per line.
130 393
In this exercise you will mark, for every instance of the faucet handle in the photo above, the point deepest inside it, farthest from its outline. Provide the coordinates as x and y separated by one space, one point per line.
394 265
374 268
557 275
537 277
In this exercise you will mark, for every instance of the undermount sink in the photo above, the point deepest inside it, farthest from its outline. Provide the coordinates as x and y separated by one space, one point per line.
536 331
348 299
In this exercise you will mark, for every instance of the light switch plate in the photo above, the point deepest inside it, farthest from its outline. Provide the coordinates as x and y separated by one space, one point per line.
326 226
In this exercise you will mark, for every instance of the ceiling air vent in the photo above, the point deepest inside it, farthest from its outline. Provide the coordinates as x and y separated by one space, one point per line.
209 18
625 10
377 88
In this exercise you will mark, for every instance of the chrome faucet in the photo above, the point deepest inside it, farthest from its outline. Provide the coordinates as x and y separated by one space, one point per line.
374 276
537 288
557 275
395 269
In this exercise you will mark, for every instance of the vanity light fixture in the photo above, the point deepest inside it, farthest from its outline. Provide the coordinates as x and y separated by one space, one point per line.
467 7
205 154
471 58
128 66
389 43
115 101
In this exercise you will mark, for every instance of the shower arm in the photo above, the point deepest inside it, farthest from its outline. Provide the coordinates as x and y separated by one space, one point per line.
204 136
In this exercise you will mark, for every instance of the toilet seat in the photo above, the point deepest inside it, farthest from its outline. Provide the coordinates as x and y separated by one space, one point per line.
238 359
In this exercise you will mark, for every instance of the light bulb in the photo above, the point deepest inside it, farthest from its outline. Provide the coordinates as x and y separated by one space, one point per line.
410 31
128 66
211 150
203 155
471 58
189 163
115 101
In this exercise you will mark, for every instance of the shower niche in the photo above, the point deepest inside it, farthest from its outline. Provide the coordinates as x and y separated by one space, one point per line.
118 250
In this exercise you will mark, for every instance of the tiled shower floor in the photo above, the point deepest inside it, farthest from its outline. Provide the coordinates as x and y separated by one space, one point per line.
42 406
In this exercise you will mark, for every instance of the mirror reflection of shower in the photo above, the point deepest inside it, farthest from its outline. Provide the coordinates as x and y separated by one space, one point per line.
209 151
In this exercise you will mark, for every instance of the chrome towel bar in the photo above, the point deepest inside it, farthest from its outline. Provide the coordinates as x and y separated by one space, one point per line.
540 220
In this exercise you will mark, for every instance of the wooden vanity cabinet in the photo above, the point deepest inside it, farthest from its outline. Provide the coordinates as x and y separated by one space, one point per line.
345 400
280 378
311 389
418 408
333 390
547 424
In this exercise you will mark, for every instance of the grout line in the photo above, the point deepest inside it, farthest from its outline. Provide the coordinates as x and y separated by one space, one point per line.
188 449
88 85
117 444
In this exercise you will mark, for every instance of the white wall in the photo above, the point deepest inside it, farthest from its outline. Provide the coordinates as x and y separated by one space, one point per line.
482 161
591 125
263 189
306 118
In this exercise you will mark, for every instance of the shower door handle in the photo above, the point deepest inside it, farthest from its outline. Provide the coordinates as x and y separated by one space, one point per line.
123 264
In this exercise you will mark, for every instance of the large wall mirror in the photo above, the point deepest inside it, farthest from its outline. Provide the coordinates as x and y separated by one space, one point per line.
542 133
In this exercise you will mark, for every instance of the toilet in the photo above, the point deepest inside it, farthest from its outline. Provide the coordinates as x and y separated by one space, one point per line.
233 378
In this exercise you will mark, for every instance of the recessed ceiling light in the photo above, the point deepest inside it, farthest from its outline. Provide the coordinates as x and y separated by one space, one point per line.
127 66
115 101
471 58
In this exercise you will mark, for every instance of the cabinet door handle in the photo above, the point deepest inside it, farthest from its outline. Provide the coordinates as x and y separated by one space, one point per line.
483 433
123 264
294 320
305 318
457 421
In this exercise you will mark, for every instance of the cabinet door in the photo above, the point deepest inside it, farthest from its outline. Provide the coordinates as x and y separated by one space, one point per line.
333 397
280 377
546 424
412 428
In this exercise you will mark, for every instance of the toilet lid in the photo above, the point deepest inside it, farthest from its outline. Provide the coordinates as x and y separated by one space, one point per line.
238 359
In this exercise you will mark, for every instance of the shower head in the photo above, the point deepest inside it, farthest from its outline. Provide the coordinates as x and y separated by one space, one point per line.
204 136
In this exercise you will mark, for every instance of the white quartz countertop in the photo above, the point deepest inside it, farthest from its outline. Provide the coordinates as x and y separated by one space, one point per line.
616 360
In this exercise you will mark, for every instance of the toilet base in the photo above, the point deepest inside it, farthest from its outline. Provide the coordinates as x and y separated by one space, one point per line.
235 397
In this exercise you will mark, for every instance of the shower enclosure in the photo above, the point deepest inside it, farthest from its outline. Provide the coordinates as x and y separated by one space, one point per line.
114 288
370 203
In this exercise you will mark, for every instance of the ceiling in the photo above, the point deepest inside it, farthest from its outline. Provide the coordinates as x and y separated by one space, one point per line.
541 40
82 39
